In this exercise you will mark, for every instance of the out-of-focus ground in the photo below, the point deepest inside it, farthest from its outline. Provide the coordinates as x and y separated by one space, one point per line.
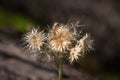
101 18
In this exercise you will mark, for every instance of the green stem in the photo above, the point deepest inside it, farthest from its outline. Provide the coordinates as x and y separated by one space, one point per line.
60 68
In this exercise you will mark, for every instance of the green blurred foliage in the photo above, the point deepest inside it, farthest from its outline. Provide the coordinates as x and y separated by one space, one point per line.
15 20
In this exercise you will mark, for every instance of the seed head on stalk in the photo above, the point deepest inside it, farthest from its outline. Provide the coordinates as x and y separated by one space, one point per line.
60 37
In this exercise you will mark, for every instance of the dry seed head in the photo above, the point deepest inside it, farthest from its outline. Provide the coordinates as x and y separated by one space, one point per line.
60 37
86 43
34 39
74 53
83 45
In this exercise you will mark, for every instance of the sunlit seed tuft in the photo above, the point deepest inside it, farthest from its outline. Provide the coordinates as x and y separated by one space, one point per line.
83 45
74 53
60 37
34 39
86 43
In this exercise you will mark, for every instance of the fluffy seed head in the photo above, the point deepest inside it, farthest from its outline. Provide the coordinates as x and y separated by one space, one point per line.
74 53
34 39
85 43
60 37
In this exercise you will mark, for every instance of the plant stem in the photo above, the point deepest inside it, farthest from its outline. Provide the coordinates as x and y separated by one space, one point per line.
60 68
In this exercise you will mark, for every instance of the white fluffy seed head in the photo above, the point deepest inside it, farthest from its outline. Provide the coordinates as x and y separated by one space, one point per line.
83 45
60 37
86 43
34 39
74 53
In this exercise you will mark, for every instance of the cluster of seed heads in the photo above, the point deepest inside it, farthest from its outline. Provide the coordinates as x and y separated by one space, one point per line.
61 39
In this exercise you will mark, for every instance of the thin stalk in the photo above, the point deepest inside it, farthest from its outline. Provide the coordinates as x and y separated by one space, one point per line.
59 68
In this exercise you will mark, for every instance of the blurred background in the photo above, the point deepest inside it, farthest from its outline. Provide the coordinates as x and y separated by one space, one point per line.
100 17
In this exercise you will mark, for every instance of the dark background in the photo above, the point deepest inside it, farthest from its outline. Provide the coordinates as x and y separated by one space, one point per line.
101 18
